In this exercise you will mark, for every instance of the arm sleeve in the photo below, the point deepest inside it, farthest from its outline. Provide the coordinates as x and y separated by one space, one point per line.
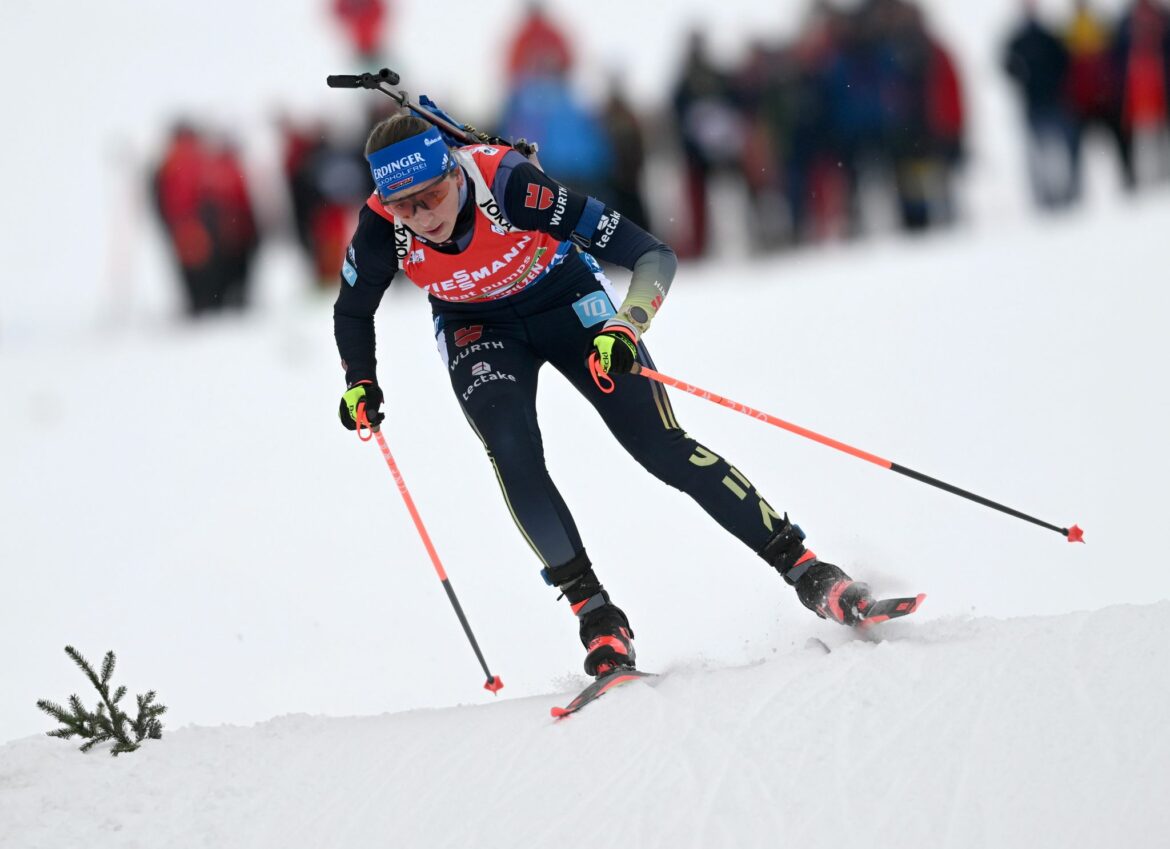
369 267
534 201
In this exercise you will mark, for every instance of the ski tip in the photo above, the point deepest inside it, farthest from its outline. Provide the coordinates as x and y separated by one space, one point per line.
918 602
1075 534
494 684
558 712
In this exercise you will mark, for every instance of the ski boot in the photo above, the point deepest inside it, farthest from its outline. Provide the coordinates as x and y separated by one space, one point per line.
608 640
605 631
831 594
821 587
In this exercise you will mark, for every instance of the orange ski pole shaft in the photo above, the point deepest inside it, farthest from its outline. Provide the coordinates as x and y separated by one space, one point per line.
1073 534
365 431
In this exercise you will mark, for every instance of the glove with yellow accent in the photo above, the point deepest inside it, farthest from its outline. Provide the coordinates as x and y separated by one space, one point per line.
616 347
364 391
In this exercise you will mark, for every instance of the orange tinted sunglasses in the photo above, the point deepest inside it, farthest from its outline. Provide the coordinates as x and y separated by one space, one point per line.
427 199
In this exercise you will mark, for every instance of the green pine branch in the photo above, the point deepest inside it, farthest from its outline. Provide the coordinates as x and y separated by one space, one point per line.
108 722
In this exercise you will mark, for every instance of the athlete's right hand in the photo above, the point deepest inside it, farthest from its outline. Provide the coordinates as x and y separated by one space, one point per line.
364 392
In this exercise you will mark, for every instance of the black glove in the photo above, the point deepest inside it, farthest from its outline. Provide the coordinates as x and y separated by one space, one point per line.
365 392
616 350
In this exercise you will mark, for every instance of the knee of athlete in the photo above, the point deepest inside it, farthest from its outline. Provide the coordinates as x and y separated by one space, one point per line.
510 445
785 552
669 458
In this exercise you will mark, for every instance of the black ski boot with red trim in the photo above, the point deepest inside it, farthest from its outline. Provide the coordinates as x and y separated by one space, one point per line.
825 589
605 631
608 640
831 594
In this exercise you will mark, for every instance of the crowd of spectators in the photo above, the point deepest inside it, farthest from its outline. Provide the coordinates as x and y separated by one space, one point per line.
854 124
864 100
1090 74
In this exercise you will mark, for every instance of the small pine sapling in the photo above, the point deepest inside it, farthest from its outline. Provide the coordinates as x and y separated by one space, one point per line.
109 721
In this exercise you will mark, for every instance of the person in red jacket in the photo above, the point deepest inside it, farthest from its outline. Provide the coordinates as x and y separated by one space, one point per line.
1144 51
538 49
363 21
235 235
1093 90
946 125
179 187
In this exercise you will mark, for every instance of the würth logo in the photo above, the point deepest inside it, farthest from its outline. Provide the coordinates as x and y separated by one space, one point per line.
466 335
538 197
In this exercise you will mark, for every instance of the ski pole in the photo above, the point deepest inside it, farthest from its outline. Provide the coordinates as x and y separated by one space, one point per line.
1073 534
365 431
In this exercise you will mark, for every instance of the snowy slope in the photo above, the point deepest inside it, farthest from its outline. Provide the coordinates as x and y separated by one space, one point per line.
961 733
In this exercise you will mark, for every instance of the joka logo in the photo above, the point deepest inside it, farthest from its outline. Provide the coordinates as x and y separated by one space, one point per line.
538 197
480 368
464 336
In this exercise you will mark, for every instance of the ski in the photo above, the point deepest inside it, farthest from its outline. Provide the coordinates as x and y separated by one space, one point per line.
602 685
876 612
885 609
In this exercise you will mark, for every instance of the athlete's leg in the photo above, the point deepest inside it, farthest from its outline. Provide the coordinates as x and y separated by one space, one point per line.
639 414
494 374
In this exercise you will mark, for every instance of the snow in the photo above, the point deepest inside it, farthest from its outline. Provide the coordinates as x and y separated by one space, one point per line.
185 497
964 732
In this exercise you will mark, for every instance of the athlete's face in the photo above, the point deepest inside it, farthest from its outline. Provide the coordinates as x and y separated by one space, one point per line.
431 209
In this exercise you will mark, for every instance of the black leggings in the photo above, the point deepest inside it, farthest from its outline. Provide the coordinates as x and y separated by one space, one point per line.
494 351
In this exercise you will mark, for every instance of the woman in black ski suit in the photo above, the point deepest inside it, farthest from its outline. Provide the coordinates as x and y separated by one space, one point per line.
501 250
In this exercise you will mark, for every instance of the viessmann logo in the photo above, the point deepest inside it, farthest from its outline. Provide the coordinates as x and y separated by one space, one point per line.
465 280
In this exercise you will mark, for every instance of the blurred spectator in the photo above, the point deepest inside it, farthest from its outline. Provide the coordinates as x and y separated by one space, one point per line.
235 235
924 119
946 125
202 199
542 107
298 142
623 131
712 135
538 49
328 179
863 102
758 90
816 181
1038 63
180 202
363 22
1094 90
1143 51
573 147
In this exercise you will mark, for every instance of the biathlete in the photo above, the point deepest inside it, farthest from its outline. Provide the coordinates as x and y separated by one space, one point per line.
506 256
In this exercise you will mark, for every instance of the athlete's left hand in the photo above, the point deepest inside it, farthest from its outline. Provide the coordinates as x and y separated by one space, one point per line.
616 348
